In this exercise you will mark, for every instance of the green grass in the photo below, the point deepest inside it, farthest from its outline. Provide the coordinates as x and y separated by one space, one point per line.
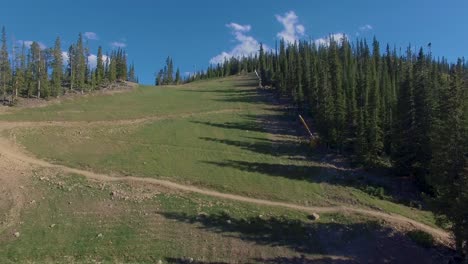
422 238
78 221
229 152
144 101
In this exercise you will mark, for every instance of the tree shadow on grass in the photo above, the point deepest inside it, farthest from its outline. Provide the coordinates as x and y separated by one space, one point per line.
275 148
190 261
351 242
294 172
263 123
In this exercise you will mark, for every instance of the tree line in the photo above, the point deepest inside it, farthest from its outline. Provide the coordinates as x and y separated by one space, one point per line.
34 71
406 110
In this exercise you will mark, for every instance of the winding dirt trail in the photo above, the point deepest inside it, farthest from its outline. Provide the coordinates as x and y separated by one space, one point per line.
13 152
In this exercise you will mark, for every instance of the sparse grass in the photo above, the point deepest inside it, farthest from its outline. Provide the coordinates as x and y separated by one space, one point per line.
79 221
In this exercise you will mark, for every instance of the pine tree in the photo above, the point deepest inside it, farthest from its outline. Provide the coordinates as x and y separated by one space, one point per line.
79 64
38 69
57 69
404 130
423 120
178 79
131 74
336 86
112 68
449 164
19 81
5 68
262 65
100 71
375 133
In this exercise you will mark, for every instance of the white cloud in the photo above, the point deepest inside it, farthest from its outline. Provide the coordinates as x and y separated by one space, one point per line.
28 44
247 45
117 44
91 36
365 28
237 27
92 60
65 57
292 31
325 41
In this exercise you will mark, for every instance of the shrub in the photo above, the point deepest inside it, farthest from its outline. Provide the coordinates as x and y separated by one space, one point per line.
421 238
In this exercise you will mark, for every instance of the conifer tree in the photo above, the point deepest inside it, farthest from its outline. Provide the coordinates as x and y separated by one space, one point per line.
57 69
422 113
403 134
449 164
262 64
19 81
177 77
5 68
80 66
100 71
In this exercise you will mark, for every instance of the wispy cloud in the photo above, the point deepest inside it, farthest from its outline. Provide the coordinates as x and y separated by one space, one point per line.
293 30
91 36
364 28
246 46
118 44
240 28
28 44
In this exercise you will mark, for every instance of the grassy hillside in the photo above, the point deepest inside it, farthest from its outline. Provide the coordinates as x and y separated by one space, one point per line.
72 220
222 135
249 149
142 102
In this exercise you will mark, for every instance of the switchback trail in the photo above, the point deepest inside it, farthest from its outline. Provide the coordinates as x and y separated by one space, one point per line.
12 151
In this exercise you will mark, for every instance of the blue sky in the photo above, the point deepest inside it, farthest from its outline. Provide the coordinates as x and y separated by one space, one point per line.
197 32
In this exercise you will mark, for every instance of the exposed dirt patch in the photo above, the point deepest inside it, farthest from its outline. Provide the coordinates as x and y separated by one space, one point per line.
14 182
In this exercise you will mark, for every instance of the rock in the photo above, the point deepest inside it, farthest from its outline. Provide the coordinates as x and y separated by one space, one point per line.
190 260
202 215
16 234
99 235
52 225
313 217
229 222
159 262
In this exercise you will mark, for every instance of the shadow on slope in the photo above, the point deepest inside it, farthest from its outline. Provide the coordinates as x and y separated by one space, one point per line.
366 242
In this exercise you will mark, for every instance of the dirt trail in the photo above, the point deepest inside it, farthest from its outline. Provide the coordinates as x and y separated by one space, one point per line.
9 125
10 150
